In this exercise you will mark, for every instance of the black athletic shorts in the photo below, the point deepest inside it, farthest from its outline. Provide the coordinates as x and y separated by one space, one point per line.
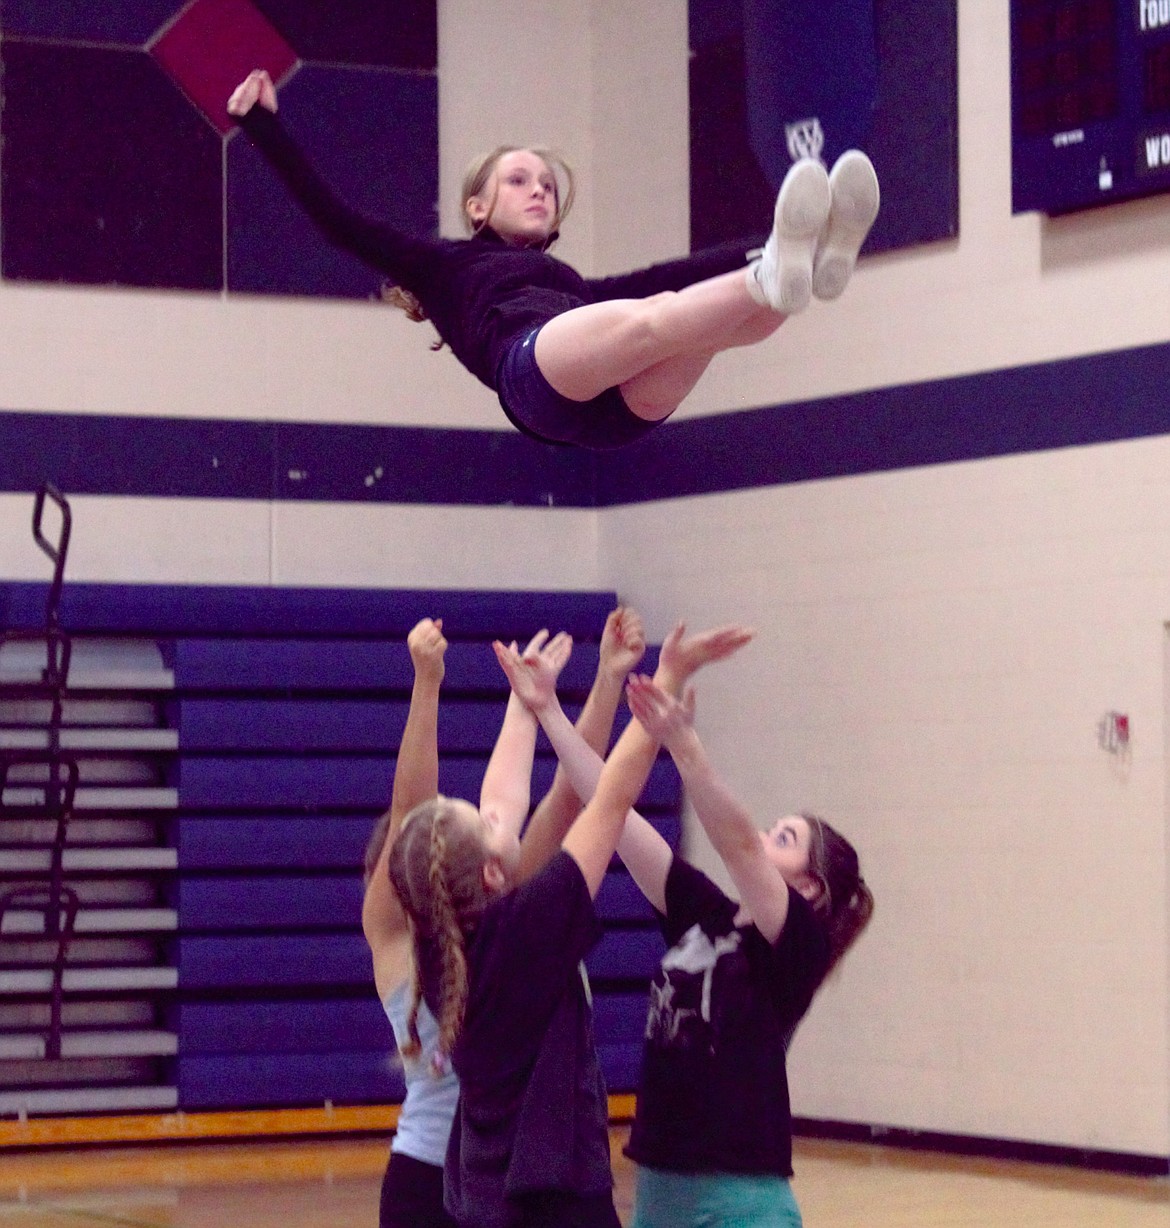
412 1195
535 407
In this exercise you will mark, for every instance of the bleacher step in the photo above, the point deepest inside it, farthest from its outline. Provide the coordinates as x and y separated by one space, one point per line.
112 1043
88 1100
39 861
110 739
95 921
88 980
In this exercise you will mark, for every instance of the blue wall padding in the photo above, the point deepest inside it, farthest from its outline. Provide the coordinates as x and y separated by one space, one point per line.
277 903
328 1026
466 726
626 954
620 1016
345 1078
302 724
621 1064
325 841
620 900
283 959
260 1081
284 901
288 959
308 665
291 613
308 782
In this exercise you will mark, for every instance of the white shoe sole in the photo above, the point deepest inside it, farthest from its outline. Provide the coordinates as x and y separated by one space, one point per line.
802 210
856 200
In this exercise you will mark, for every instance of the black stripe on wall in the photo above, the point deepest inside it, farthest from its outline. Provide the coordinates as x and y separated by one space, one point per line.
1101 398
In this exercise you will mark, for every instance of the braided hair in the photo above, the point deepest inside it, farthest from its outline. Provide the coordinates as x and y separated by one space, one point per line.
436 869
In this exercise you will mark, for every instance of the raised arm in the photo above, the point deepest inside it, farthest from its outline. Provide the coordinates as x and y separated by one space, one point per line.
593 837
404 258
645 853
622 644
416 774
416 778
733 833
507 783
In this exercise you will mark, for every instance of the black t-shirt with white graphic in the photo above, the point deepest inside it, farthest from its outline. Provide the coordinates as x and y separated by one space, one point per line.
724 1003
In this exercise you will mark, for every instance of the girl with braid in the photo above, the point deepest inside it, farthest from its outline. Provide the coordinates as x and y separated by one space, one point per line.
595 362
498 965
712 1134
412 1189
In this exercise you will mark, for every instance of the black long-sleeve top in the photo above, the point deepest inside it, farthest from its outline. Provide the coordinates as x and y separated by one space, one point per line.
481 294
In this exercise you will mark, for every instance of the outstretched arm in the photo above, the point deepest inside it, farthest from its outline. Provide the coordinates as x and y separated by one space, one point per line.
674 274
593 837
507 783
734 835
622 644
645 852
404 258
416 778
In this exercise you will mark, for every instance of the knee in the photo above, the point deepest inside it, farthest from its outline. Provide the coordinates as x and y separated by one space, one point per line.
649 319
645 404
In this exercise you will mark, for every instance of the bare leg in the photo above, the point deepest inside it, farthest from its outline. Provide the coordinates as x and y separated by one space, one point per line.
659 390
602 345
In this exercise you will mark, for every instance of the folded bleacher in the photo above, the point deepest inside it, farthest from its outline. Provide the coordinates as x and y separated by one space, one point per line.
234 747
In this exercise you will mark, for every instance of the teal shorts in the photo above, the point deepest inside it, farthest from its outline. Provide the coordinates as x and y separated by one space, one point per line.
713 1200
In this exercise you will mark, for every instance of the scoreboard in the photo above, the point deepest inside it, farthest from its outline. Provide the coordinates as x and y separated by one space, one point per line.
1090 102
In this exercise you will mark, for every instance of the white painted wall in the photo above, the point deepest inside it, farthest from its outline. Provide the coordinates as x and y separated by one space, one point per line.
935 647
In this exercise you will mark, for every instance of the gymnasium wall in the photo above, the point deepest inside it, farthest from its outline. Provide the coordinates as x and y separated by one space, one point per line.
937 640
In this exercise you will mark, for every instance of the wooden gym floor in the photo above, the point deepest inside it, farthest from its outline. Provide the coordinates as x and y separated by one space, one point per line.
335 1183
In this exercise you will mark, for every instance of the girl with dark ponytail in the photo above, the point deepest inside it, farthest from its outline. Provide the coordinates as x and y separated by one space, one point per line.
712 1134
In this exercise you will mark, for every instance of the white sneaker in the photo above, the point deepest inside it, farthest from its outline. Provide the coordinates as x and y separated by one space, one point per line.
784 273
856 198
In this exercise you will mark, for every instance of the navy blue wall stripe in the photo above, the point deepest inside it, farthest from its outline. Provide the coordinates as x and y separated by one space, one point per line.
1097 399
1100 398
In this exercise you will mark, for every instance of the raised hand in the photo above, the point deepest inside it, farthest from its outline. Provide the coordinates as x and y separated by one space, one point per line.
427 645
622 643
683 654
533 675
255 88
665 717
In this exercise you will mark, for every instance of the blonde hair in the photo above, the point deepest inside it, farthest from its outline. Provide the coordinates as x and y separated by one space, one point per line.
475 180
436 869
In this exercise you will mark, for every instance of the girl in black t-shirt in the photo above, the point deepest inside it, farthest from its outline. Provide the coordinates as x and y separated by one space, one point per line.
712 1133
595 363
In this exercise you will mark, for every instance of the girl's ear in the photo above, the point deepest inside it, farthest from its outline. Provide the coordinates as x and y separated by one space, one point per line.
494 878
476 210
809 886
